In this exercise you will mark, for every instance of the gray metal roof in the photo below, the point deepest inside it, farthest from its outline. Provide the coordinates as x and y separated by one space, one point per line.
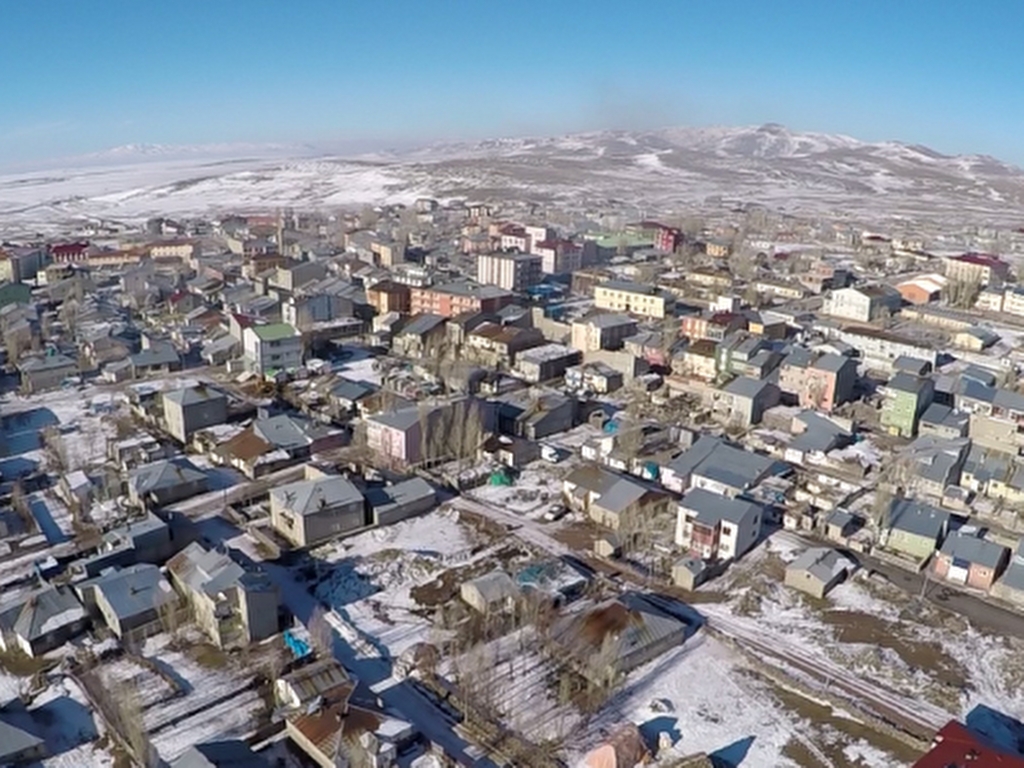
821 563
402 419
907 382
133 591
167 473
973 549
745 386
918 518
307 497
284 431
1014 575
399 494
833 363
712 508
220 754
713 458
200 393
422 324
352 390
839 517
608 320
14 742
494 586
46 363
205 571
159 354
47 610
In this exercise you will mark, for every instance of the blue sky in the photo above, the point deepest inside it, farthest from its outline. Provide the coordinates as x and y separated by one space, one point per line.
83 76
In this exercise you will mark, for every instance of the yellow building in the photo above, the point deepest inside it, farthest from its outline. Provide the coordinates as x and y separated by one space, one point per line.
635 298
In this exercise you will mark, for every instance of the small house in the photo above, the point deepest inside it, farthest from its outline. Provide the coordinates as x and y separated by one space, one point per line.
315 509
47 372
689 572
43 621
817 570
612 638
165 482
1010 586
716 527
129 599
300 687
492 592
915 529
839 525
967 559
190 409
399 501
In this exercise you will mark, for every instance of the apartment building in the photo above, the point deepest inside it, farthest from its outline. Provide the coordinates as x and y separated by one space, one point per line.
635 298
977 268
559 257
455 298
865 304
266 348
511 271
602 331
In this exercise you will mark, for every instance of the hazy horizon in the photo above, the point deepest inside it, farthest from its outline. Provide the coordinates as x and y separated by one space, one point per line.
81 78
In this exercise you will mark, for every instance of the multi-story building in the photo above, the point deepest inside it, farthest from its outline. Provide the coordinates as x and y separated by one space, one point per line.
821 382
1013 301
267 348
173 250
455 298
906 398
230 604
190 409
865 305
559 257
512 237
882 348
715 527
511 271
70 253
389 296
977 269
546 362
635 298
603 331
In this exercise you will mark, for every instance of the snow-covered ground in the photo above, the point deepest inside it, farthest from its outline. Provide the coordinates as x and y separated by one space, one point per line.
710 708
534 490
61 716
81 418
368 577
189 702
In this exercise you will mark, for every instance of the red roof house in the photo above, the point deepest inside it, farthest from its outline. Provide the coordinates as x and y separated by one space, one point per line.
956 746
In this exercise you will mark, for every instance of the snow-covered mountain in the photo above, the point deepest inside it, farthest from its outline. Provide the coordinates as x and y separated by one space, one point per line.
671 169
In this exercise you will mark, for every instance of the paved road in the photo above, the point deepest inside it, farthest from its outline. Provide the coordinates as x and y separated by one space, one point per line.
977 610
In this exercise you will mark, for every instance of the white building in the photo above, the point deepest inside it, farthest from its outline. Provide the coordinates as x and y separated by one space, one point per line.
273 347
511 271
865 304
715 527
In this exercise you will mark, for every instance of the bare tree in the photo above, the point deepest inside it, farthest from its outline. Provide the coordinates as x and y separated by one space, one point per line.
68 314
321 634
173 615
127 716
16 345
56 450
